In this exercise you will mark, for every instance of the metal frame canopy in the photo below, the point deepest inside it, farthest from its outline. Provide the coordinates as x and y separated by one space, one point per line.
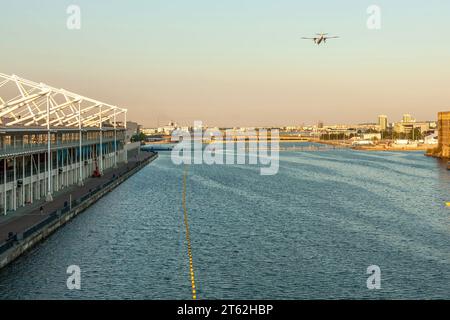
24 103
32 105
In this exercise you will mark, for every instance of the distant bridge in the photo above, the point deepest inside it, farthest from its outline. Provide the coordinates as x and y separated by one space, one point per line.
156 148
302 148
313 147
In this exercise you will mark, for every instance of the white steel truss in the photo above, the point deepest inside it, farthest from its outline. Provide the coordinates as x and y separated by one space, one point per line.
24 103
30 104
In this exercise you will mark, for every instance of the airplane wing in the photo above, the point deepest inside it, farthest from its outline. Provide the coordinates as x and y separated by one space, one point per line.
331 37
309 38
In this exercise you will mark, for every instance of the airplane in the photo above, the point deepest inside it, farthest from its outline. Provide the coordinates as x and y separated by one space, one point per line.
321 37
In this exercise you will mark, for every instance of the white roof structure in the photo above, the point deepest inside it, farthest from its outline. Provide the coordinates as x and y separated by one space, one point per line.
25 103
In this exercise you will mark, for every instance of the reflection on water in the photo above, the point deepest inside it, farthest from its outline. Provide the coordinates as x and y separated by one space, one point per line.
443 172
308 232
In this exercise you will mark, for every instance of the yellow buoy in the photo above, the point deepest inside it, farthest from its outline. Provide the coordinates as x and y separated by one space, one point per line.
447 204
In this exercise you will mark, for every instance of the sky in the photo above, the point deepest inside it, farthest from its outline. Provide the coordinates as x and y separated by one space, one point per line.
237 62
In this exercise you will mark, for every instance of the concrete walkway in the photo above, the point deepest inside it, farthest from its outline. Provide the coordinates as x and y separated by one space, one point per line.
26 217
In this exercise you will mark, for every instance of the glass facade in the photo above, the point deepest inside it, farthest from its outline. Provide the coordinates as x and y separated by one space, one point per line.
11 143
24 161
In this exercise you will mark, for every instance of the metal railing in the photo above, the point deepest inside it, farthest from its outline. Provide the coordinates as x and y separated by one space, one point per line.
52 217
42 147
8 244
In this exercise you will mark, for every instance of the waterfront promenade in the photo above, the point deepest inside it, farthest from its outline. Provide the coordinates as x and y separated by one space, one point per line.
21 220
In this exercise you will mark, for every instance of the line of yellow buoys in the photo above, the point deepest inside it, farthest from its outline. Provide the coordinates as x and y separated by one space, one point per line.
188 238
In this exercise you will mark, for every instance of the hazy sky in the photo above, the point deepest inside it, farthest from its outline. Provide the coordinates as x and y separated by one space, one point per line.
237 62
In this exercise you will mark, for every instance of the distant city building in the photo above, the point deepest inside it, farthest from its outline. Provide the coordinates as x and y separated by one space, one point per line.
408 127
383 122
432 138
407 118
371 136
149 131
444 134
185 129
168 129
401 142
290 128
320 125
132 129
362 142
367 126
403 127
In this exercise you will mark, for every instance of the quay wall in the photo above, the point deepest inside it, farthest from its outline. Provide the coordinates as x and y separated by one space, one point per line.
22 245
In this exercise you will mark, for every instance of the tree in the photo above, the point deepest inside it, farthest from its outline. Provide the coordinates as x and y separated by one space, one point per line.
416 134
138 137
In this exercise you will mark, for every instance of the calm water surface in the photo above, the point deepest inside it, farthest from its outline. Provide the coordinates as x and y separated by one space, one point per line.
308 232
